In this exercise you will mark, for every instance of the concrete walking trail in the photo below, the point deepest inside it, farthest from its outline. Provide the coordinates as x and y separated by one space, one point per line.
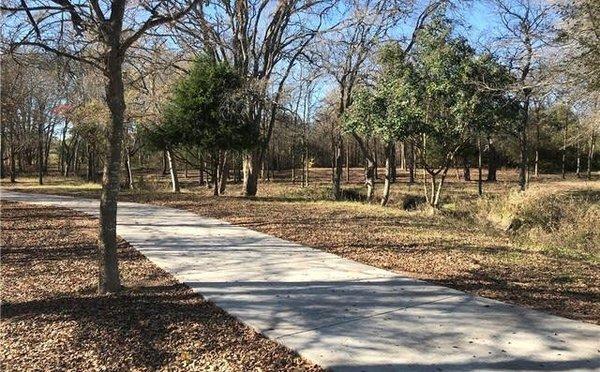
339 313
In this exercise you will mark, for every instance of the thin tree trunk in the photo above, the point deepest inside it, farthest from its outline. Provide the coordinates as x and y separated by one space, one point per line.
128 169
370 178
222 172
411 164
389 165
40 153
564 151
523 146
537 149
173 171
392 160
479 166
165 163
337 169
590 156
109 279
348 162
13 165
578 165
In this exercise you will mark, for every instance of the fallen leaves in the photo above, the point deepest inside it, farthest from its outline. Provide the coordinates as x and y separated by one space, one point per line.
52 318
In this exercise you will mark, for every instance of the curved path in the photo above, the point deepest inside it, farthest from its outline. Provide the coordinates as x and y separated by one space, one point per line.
339 313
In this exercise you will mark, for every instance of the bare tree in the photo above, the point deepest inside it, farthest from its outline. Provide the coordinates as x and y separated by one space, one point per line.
526 32
101 35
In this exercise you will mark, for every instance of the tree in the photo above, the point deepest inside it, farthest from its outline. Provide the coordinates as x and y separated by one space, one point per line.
526 31
208 111
101 36
444 68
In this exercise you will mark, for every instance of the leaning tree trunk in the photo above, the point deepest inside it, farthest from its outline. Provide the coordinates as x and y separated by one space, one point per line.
109 280
173 171
389 173
128 168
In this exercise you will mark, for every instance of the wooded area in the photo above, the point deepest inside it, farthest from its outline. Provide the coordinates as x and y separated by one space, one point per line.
307 94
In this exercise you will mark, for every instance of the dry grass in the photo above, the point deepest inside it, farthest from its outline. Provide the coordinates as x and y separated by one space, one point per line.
52 318
457 248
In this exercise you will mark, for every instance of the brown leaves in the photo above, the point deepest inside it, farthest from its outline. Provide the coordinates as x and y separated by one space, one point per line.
52 318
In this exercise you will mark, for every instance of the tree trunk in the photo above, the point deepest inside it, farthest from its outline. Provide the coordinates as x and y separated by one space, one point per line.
293 165
411 164
347 162
370 178
223 172
590 156
438 190
466 169
479 166
523 146
492 162
109 280
389 166
2 150
128 169
252 160
564 152
13 164
40 153
537 149
165 163
173 171
337 169
578 165
403 165
392 160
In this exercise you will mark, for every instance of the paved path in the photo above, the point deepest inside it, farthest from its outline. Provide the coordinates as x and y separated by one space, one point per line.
340 313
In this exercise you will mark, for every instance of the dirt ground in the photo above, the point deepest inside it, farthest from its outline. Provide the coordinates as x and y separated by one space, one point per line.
52 318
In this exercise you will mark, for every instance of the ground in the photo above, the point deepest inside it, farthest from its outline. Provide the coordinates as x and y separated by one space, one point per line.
52 318
453 248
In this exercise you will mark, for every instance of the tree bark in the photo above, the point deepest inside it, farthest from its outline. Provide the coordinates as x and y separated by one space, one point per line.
466 169
389 166
128 169
523 144
251 163
337 169
109 279
492 162
411 164
392 160
173 171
